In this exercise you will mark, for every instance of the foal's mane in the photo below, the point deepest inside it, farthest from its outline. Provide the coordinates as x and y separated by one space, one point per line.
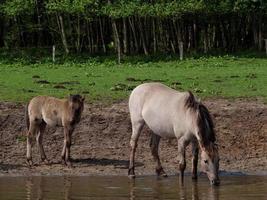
204 120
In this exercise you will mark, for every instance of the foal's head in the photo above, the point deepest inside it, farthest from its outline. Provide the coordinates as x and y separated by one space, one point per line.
76 103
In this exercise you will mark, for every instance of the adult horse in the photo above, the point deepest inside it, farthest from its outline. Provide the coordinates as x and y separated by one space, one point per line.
169 113
45 110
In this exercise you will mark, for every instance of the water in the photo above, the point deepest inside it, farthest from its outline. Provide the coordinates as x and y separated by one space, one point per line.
120 188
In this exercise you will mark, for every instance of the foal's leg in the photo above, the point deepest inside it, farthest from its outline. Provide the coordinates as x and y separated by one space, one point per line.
194 159
68 145
39 139
33 129
182 143
136 130
154 146
65 155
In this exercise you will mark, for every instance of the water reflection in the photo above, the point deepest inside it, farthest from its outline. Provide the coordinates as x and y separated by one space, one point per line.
122 188
35 187
162 189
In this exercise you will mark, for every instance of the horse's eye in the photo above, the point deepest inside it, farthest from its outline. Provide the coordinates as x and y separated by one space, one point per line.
206 161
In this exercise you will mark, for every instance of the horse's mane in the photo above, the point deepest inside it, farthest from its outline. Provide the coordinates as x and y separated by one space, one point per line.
204 119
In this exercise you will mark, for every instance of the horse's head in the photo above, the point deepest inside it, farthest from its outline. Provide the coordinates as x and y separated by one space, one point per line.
210 163
76 103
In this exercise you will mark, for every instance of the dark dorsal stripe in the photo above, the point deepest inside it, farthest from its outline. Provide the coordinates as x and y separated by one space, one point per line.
204 120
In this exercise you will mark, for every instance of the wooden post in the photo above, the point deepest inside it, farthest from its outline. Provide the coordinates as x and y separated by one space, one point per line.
265 40
53 53
181 50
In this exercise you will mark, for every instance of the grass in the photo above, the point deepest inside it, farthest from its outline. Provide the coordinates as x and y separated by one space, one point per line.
101 79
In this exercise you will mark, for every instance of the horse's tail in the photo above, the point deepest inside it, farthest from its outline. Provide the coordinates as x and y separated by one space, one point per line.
204 119
27 119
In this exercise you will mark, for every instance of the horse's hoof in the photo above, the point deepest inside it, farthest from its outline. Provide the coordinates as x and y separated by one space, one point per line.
131 176
164 175
161 172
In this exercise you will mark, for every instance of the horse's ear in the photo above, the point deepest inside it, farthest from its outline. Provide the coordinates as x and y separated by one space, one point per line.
83 98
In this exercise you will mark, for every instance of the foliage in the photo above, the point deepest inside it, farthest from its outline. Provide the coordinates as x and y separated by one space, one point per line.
85 25
17 7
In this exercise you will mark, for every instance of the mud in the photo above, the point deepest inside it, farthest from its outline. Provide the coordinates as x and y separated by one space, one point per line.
100 143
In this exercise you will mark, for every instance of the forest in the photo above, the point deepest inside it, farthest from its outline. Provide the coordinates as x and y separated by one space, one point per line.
133 27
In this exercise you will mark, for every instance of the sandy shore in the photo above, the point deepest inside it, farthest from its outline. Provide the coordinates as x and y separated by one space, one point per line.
101 141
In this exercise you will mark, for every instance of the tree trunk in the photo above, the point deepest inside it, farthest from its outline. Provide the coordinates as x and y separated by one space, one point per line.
134 34
260 33
63 35
125 46
116 39
142 36
205 39
78 31
224 42
102 37
154 36
255 31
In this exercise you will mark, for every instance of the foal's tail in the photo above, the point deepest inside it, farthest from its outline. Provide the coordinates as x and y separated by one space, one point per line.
27 119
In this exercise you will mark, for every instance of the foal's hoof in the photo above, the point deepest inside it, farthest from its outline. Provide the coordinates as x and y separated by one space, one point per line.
29 163
161 172
46 162
68 164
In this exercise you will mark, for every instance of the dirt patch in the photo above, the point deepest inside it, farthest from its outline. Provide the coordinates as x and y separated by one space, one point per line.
101 141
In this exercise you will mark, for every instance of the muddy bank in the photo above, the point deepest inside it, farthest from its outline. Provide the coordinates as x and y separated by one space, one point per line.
101 141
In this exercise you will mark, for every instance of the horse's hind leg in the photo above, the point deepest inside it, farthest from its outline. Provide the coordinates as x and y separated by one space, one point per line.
33 129
136 130
194 159
154 146
39 140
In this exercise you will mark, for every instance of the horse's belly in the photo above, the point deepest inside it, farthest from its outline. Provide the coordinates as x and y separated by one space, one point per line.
52 122
164 129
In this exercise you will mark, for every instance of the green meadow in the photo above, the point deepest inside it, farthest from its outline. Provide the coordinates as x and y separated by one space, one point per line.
102 79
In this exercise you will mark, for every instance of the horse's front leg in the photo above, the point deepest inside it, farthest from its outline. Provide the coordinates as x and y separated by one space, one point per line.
65 155
182 143
195 151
